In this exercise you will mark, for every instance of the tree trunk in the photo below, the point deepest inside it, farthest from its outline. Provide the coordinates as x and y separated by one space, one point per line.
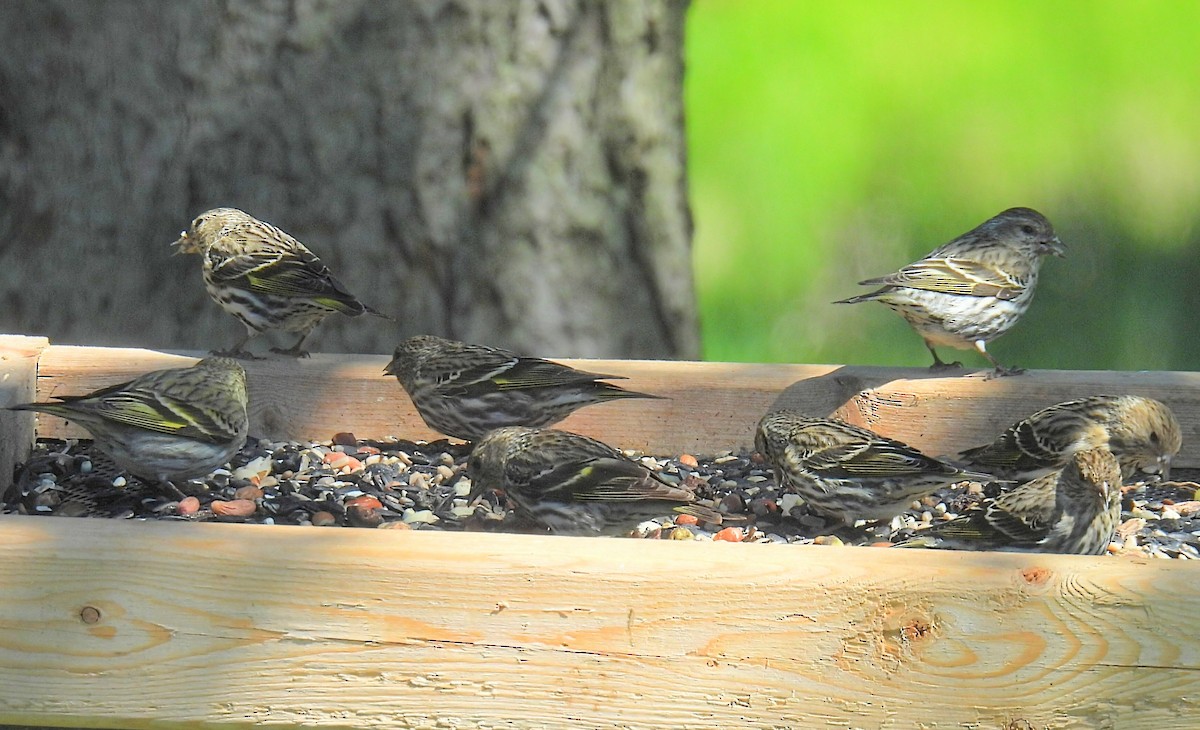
509 173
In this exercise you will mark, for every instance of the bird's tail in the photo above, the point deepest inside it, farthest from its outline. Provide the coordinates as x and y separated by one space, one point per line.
870 297
608 390
376 313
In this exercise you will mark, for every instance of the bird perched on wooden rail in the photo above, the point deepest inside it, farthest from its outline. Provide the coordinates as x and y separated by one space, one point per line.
1075 510
265 278
973 289
574 485
465 390
849 472
166 425
1142 433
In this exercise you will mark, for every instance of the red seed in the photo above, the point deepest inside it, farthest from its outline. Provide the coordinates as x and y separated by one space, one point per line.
688 460
687 520
365 501
188 506
362 515
323 519
729 534
251 493
235 509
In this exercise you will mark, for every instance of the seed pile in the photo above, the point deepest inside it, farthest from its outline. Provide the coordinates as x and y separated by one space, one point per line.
416 485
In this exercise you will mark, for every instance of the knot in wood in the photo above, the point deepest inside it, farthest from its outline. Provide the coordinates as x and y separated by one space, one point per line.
89 614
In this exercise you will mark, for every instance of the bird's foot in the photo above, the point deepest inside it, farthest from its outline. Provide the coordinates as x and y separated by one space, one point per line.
291 352
236 354
941 367
1002 372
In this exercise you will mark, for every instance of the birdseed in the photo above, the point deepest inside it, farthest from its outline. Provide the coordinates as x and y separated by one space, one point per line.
423 486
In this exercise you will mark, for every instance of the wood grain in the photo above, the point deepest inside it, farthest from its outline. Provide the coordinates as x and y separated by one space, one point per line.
18 376
189 625
711 406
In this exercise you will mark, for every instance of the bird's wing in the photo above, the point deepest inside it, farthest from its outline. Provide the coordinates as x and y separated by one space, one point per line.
874 458
951 275
158 411
602 479
1040 441
267 267
1026 513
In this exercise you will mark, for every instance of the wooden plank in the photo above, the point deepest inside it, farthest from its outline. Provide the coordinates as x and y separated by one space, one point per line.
107 623
18 375
711 406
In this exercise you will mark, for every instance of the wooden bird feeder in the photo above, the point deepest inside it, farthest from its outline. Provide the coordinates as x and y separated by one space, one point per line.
108 623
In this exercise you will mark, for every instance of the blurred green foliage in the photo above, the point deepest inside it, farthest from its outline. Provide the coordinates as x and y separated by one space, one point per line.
833 141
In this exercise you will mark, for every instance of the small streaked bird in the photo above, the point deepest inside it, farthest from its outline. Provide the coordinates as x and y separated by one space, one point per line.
849 472
973 289
166 425
265 278
1142 432
465 390
574 485
1072 510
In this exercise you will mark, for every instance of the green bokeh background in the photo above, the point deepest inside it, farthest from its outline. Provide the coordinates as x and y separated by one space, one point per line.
833 141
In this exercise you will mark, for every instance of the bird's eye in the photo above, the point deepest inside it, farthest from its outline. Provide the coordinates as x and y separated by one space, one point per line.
196 223
1154 437
1027 230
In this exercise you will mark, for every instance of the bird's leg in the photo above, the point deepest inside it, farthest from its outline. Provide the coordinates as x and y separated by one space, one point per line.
171 490
296 350
239 348
938 364
1000 371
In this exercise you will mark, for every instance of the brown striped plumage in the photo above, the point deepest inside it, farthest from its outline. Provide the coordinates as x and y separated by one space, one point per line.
973 289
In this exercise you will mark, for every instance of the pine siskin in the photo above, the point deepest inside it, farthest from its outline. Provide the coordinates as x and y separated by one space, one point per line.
1142 432
465 390
1073 510
971 290
265 278
574 485
165 425
846 471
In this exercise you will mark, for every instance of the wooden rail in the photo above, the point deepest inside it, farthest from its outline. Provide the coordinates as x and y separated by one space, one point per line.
162 624
105 622
710 406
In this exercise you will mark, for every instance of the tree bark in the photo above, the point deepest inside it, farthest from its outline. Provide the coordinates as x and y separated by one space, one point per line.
509 173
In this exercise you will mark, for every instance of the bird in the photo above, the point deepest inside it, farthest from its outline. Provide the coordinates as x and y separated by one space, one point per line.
574 485
166 425
973 289
1074 510
265 278
465 390
1142 433
848 472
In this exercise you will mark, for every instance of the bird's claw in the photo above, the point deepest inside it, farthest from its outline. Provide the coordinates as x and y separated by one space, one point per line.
1002 372
291 352
236 354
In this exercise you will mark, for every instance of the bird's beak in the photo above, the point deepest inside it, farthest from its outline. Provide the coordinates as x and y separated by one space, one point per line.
1161 468
1057 247
180 244
391 368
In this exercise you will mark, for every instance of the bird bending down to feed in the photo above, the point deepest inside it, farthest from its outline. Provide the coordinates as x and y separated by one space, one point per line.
1142 433
849 472
1074 510
572 484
